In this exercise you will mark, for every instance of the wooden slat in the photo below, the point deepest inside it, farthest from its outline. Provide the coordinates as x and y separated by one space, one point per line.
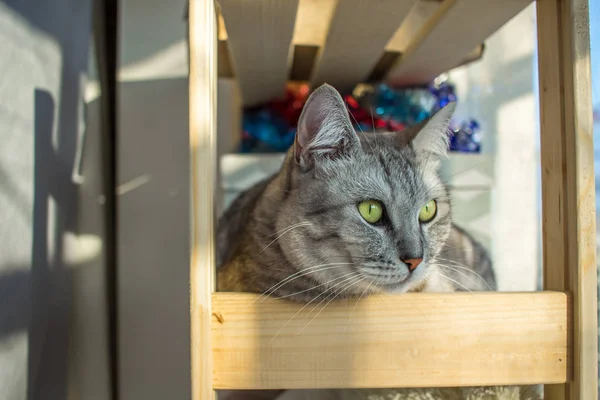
568 197
455 29
418 16
312 22
358 33
413 340
203 117
349 51
260 37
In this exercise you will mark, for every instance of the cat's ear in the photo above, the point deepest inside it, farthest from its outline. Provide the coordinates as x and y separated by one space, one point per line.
433 136
324 128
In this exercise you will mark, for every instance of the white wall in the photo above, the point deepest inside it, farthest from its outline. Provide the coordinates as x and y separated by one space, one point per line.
153 202
53 342
499 92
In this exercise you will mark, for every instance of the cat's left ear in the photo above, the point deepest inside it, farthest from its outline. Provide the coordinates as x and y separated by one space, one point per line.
324 129
433 137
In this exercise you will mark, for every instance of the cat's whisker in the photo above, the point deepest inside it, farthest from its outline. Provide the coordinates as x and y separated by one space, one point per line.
286 231
314 287
333 292
288 227
456 266
470 278
299 274
453 176
363 257
356 304
361 130
452 280
355 276
452 261
373 124
356 280
387 294
303 307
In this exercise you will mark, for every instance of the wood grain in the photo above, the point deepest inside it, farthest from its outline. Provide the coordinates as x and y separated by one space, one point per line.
418 16
568 193
349 54
260 53
414 340
443 42
260 36
312 21
203 118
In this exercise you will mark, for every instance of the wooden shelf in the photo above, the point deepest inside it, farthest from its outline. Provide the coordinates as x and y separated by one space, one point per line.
409 340
407 42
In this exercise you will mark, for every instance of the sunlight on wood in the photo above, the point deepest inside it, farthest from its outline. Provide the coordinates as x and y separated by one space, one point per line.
410 340
203 117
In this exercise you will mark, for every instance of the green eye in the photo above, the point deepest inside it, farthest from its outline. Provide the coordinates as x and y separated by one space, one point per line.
428 211
371 211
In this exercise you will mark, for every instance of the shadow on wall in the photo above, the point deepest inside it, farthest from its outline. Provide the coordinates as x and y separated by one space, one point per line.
41 298
51 282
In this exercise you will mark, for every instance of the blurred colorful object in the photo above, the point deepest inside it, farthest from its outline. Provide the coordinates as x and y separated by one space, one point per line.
465 138
272 127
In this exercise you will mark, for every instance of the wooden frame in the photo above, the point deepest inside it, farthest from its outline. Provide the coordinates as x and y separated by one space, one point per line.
568 184
203 142
240 343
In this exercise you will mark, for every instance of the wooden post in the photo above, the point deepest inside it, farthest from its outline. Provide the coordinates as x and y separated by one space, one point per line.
568 193
203 118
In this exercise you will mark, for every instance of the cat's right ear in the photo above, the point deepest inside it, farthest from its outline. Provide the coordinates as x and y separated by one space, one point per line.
324 128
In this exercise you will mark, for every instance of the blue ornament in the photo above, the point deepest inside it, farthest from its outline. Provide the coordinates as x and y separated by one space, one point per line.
267 131
465 138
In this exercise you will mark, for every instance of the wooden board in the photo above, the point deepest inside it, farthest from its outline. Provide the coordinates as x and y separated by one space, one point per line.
259 39
203 117
326 45
418 16
568 192
358 33
414 340
312 22
452 32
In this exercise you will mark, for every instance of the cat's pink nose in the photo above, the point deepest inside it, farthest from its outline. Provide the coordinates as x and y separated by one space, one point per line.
413 263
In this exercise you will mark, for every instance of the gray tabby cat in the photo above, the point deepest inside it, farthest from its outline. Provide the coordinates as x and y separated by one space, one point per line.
358 213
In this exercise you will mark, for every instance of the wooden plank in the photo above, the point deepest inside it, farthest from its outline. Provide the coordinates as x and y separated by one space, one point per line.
260 37
312 22
349 54
455 29
418 16
568 193
412 340
203 117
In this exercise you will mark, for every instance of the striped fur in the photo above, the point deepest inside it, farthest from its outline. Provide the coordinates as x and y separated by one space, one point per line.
304 220
303 223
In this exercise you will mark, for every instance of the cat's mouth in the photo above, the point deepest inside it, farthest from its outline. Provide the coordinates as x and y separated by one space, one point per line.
391 281
386 281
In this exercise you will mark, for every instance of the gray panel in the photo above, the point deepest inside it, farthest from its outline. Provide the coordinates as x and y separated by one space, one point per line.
153 240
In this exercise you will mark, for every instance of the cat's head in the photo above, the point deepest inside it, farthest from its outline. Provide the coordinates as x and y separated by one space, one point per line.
373 210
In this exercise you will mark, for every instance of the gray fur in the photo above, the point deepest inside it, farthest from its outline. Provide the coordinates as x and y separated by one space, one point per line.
303 223
306 215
